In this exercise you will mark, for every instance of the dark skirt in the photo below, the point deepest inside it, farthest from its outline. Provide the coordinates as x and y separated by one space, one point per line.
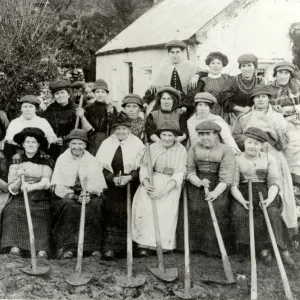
240 219
201 230
95 142
66 222
15 225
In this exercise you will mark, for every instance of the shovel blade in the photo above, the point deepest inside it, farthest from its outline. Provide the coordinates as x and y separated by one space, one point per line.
40 271
191 293
170 274
129 282
79 278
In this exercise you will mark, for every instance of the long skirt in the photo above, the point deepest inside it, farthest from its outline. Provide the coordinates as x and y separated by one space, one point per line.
14 221
95 142
201 230
66 217
240 219
167 209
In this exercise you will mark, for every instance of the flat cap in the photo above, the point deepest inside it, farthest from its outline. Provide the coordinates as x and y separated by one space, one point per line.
100 84
260 90
247 58
205 97
133 98
59 85
176 44
257 134
78 134
208 126
78 84
284 65
168 89
30 99
169 126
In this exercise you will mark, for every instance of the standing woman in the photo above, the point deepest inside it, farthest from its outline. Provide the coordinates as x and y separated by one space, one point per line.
37 169
261 168
169 167
120 156
168 102
210 164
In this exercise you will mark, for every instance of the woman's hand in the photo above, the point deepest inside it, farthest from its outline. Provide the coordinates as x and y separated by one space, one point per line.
80 112
21 171
117 180
247 109
194 81
59 141
204 182
157 194
211 196
267 202
148 187
27 186
181 110
87 197
245 203
125 180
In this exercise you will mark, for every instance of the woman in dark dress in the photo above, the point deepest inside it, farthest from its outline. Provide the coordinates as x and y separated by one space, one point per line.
37 169
120 156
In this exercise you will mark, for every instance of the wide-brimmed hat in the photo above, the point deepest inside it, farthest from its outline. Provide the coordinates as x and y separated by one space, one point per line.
78 134
208 126
169 126
284 65
100 84
261 90
257 134
176 44
248 58
205 97
121 119
169 90
77 84
59 85
35 132
30 99
133 98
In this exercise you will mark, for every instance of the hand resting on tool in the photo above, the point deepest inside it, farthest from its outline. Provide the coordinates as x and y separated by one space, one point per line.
87 197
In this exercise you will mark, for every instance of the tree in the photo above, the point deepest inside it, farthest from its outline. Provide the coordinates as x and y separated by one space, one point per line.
294 33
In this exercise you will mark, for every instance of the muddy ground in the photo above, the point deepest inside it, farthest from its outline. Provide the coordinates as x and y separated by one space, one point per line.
14 284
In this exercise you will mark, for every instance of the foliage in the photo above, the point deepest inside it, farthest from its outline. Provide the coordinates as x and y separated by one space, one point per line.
294 33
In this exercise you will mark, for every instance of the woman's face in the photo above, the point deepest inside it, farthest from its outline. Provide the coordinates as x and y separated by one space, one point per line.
166 102
215 66
202 109
77 147
101 95
252 146
261 101
167 139
28 110
62 97
208 139
132 110
283 77
121 132
31 145
247 70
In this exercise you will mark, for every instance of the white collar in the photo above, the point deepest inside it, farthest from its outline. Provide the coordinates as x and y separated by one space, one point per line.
214 76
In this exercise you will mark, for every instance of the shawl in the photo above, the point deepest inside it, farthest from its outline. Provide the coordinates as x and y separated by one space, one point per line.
132 151
67 168
185 69
39 158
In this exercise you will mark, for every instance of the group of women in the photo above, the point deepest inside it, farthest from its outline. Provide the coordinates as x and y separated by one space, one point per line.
232 129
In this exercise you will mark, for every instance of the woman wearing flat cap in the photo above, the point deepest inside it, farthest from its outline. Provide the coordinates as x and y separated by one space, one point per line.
29 106
169 167
204 103
267 118
37 168
70 170
210 164
120 156
168 100
133 106
262 169
285 94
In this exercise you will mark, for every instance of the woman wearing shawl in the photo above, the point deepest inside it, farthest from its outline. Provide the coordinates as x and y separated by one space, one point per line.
120 156
169 167
268 119
37 169
71 168
285 94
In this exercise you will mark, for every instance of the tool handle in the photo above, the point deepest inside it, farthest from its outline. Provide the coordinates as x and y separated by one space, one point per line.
129 233
225 259
285 281
81 228
79 106
30 228
159 249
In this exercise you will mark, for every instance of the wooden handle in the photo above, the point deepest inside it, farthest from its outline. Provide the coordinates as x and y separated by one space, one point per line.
30 228
252 244
225 259
79 106
285 281
129 234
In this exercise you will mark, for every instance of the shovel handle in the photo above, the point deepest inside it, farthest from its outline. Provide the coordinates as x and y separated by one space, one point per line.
129 233
285 281
30 228
79 106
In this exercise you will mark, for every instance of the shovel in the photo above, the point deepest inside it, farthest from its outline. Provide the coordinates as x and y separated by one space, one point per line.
226 263
166 274
187 292
129 281
33 269
79 278
79 106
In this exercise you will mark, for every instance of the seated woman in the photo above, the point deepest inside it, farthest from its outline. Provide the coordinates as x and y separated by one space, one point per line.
133 106
262 169
37 169
210 164
29 106
168 100
120 156
169 166
71 168
204 102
